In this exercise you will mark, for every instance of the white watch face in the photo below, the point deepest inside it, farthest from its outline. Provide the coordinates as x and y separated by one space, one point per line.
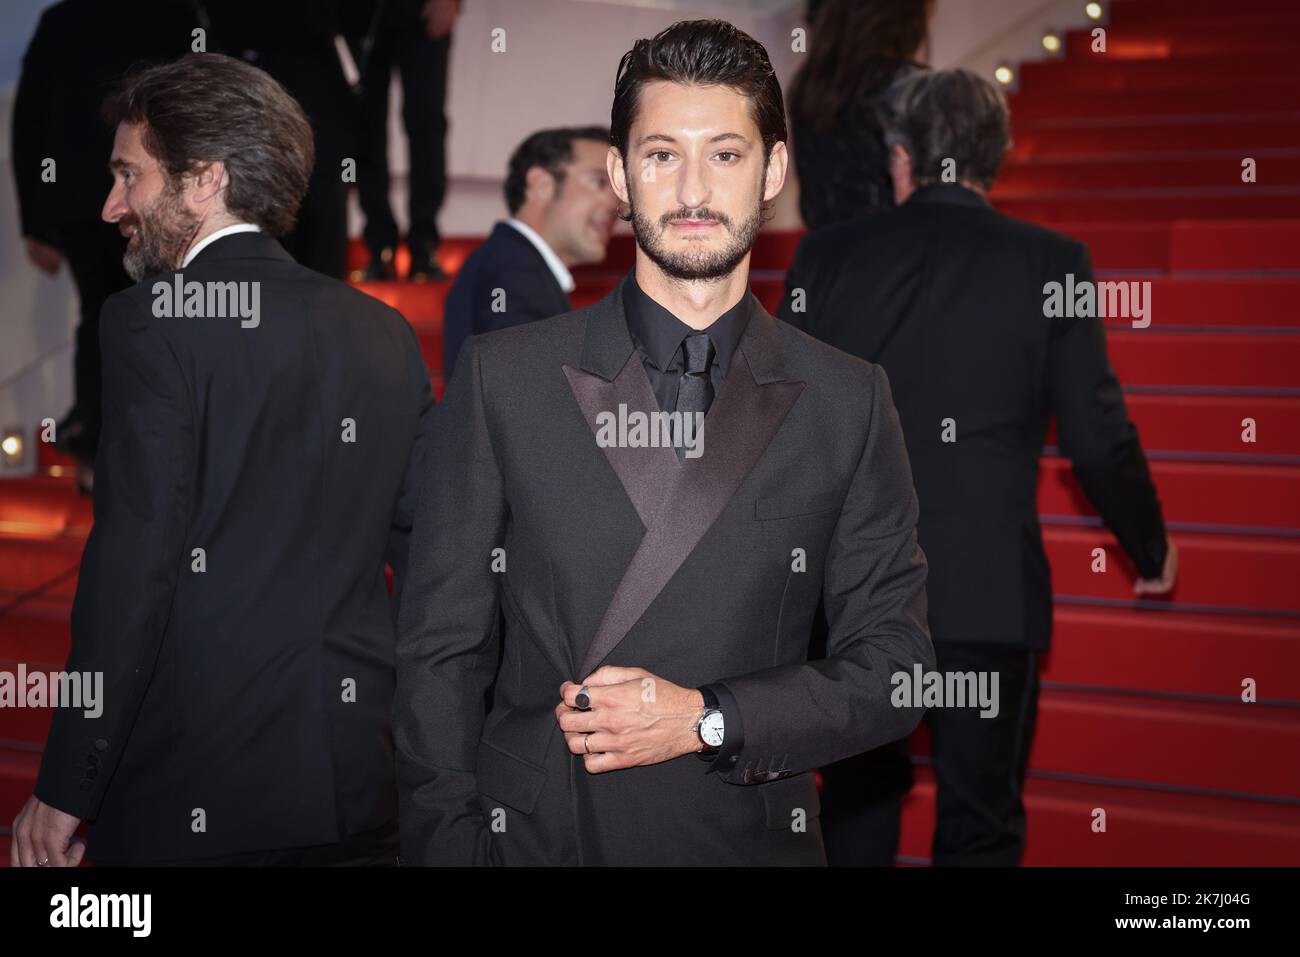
711 729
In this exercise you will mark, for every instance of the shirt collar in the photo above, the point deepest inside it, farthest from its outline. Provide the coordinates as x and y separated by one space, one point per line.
948 193
211 238
558 269
659 334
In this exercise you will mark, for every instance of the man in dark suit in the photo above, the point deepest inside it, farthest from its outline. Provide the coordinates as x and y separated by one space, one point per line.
561 214
413 36
948 296
263 425
295 42
675 580
80 50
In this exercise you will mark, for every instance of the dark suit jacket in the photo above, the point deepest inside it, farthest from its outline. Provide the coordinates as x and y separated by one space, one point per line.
624 556
947 295
506 261
80 50
226 689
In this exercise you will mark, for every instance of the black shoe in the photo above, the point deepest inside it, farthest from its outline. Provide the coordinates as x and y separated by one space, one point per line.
424 268
382 266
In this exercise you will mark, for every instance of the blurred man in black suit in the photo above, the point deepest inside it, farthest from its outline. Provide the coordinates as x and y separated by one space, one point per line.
263 426
561 214
413 36
80 50
948 296
295 42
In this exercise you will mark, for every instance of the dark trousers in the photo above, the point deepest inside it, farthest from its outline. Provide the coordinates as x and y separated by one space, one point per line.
979 763
94 253
401 43
377 848
979 767
319 239
862 806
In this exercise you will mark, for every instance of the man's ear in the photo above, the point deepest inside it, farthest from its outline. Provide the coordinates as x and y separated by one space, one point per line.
539 186
778 162
208 182
617 173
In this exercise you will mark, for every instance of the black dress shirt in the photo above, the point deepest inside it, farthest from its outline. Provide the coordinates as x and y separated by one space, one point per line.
658 335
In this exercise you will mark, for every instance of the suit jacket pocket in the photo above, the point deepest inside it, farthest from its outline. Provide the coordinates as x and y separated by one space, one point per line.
508 779
785 796
793 506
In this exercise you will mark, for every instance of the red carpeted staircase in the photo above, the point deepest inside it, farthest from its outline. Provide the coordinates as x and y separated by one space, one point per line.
1138 153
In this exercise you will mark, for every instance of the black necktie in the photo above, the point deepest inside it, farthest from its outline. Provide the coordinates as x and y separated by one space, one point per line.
695 391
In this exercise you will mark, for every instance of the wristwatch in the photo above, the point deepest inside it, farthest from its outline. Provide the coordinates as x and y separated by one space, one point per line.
711 728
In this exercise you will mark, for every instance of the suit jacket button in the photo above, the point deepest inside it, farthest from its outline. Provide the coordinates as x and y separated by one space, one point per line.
101 745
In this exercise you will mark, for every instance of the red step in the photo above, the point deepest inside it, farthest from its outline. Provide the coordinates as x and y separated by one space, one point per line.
1211 746
1102 74
1119 108
1125 14
1254 247
1095 131
1173 652
1150 357
1144 828
1212 423
1226 571
1245 246
38 630
1190 300
1251 201
28 561
1176 41
1212 492
1154 170
17 778
1246 748
29 725
43 504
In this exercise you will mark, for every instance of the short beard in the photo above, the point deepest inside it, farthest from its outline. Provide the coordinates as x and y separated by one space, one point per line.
164 232
705 265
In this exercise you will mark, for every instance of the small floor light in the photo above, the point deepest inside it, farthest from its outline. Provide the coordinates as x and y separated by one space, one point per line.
11 449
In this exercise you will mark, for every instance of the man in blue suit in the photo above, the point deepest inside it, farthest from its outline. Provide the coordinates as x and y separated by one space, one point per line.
561 214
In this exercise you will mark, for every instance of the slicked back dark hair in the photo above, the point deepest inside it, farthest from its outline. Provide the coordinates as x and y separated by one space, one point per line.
704 53
552 150
206 108
947 114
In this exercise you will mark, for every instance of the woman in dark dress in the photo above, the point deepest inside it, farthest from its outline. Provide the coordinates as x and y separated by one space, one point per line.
857 48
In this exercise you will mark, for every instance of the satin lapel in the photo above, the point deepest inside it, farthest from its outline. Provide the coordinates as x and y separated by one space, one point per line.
739 427
645 473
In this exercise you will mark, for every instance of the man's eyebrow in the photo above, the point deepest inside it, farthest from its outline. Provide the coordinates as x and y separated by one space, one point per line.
665 138
116 164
